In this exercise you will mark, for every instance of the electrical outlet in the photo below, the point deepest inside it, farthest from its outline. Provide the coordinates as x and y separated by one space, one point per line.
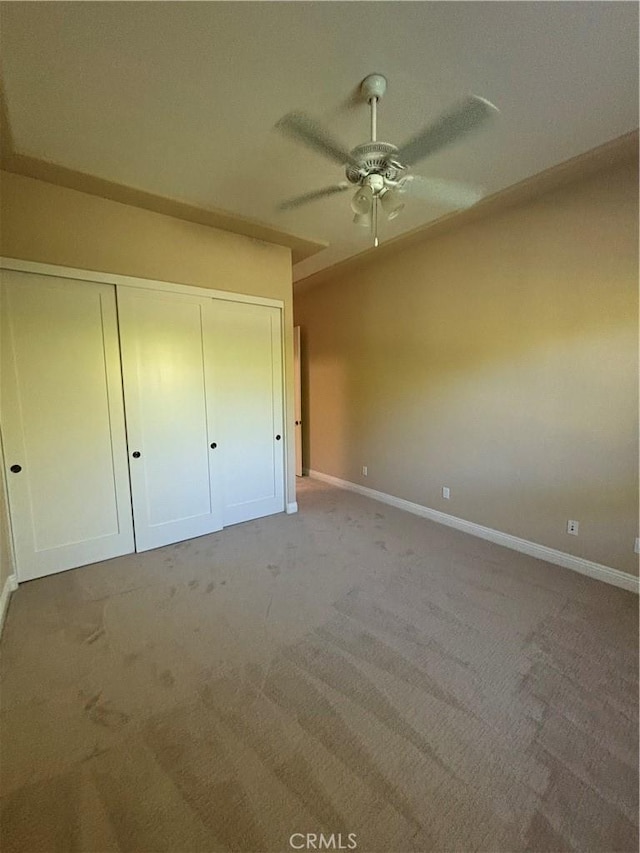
365 471
572 527
636 547
446 492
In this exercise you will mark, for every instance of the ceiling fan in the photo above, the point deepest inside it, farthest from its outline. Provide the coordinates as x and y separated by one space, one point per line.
379 170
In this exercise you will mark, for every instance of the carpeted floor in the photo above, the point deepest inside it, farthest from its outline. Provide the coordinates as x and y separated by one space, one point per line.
350 669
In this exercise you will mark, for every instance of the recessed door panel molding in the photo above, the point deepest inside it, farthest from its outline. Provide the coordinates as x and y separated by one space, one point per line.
244 353
63 423
175 487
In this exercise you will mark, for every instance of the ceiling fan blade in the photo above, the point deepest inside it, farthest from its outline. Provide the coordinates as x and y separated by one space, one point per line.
467 116
452 194
305 129
292 203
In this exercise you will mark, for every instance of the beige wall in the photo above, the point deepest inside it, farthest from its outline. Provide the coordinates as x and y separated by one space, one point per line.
500 360
52 224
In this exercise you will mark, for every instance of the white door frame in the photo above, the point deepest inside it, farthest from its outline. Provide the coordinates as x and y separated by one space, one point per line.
130 281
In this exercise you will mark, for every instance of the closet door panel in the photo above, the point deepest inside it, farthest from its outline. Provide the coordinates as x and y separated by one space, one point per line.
175 493
245 354
63 423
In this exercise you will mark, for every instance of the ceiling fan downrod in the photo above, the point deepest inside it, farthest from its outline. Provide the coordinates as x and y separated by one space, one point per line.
374 119
373 88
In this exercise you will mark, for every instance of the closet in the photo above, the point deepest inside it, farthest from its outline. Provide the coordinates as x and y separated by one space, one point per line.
133 417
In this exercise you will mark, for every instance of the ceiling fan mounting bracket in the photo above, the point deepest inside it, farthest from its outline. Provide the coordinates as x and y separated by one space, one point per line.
373 86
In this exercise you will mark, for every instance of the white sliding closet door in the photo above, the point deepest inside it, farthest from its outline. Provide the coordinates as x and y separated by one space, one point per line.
246 364
63 423
176 491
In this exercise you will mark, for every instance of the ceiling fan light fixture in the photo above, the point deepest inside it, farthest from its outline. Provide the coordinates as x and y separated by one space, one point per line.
362 219
392 204
362 201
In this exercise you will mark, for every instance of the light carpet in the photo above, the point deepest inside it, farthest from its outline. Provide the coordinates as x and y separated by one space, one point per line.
349 669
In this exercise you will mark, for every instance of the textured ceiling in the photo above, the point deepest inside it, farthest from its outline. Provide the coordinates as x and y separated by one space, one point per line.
179 99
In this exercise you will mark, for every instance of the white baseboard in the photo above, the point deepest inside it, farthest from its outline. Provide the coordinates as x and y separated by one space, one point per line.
291 507
541 552
10 585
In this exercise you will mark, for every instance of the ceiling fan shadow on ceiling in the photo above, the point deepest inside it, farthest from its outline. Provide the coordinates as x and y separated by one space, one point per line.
379 170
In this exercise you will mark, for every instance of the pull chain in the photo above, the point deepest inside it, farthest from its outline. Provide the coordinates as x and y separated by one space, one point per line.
375 221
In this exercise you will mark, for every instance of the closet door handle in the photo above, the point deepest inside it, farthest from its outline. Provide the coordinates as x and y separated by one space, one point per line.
278 437
15 469
213 445
136 454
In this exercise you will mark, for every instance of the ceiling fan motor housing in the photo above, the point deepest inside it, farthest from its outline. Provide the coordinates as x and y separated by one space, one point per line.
373 158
